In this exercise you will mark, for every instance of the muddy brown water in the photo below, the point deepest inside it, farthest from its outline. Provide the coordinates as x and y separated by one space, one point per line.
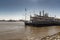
18 31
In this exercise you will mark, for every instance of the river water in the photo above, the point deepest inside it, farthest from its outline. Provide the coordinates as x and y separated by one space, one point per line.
18 31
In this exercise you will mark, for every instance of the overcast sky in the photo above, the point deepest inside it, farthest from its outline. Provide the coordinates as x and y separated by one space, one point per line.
15 9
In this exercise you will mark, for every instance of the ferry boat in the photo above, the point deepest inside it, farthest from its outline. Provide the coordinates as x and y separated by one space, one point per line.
42 20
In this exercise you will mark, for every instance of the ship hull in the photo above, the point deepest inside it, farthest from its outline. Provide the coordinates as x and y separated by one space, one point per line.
43 24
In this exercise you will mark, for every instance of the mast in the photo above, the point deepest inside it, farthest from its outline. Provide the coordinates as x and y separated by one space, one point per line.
30 15
25 14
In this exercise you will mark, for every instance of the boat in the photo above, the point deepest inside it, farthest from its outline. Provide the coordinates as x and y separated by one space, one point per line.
42 20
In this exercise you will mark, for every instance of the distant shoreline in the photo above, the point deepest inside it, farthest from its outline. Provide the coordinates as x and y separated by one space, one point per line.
12 20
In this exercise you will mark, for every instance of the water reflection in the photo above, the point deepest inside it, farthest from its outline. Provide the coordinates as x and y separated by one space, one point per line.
18 31
36 33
